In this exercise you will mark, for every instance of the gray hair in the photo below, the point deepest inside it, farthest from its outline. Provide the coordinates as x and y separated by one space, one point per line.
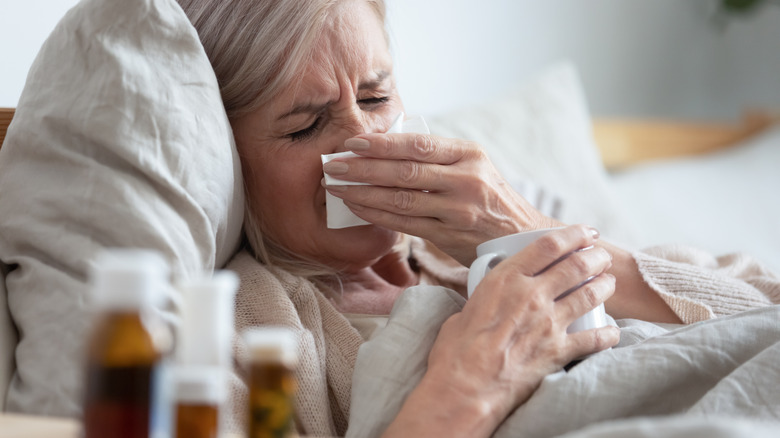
256 48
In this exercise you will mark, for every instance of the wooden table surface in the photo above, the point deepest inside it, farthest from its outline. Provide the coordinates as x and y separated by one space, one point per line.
26 426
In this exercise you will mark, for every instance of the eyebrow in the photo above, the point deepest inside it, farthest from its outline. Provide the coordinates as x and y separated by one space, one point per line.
380 78
314 108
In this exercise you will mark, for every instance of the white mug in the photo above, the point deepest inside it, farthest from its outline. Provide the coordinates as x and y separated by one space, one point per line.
492 252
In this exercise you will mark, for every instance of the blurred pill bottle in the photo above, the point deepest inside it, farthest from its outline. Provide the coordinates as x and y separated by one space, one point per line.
272 381
125 394
204 354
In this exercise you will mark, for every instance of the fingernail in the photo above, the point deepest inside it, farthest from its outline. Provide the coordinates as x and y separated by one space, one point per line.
357 144
595 233
335 168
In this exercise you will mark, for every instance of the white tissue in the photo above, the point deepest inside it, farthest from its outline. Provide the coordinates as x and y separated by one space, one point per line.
339 215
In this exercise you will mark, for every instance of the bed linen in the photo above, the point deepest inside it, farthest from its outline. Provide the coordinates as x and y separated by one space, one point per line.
120 139
659 379
722 202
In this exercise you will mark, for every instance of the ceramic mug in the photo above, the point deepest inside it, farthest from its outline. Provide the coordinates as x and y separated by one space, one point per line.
492 252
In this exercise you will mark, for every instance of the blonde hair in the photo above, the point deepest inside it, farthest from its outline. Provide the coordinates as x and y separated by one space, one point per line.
257 47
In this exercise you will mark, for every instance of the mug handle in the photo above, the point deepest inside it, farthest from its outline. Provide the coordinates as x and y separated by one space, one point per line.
481 266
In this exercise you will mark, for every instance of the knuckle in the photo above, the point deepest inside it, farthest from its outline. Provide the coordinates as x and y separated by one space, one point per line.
599 340
466 217
591 294
403 200
584 231
410 172
388 145
552 243
606 337
475 150
580 264
423 146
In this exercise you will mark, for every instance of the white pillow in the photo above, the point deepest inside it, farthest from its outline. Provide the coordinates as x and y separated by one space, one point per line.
120 139
7 341
540 134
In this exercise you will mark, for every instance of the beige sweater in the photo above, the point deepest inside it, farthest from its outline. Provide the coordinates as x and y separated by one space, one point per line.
696 285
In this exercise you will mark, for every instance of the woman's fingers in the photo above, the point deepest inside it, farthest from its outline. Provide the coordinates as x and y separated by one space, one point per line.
415 161
575 269
586 297
415 147
391 173
592 341
553 246
393 200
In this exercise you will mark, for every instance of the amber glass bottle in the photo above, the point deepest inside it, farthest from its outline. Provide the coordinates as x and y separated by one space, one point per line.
197 420
124 355
204 353
272 382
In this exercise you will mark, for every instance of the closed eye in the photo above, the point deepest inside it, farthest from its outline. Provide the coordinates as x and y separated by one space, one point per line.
374 100
306 133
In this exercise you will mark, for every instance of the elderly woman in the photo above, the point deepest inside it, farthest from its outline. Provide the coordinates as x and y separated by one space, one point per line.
309 77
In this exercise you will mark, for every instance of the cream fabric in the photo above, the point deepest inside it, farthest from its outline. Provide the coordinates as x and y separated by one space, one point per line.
366 325
327 349
723 366
699 286
391 364
8 339
540 134
119 139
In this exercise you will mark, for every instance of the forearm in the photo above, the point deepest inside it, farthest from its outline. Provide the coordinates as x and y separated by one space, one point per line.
633 297
433 410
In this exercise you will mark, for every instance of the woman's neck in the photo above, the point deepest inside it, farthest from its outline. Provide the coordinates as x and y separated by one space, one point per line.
374 289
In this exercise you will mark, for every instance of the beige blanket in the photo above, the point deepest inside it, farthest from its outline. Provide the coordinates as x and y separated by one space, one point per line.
393 361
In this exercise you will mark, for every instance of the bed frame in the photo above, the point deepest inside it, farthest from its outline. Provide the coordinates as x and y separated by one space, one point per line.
627 142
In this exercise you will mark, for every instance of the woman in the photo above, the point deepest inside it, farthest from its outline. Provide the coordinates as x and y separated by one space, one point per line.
305 78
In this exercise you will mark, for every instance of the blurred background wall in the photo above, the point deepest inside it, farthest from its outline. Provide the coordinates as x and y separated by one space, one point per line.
662 58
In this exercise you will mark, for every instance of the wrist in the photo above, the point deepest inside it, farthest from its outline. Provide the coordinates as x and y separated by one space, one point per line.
633 297
439 409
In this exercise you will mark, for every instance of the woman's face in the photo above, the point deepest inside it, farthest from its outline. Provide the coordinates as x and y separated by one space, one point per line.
346 90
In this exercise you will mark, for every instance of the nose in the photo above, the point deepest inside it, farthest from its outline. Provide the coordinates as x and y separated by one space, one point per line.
358 123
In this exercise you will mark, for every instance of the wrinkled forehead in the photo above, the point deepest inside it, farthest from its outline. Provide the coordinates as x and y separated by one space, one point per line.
352 42
353 33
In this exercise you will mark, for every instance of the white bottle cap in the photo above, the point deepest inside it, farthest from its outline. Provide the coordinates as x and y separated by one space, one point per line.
207 319
128 279
201 385
272 344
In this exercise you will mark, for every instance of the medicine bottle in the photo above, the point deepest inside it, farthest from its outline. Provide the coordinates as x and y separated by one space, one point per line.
272 381
204 354
124 394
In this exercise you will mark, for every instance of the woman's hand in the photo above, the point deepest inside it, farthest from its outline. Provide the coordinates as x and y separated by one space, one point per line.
444 190
490 358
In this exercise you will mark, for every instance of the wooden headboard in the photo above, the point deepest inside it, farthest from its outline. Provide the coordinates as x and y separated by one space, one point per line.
627 142
6 114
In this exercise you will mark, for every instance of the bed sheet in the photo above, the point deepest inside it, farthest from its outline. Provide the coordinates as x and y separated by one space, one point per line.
724 368
722 202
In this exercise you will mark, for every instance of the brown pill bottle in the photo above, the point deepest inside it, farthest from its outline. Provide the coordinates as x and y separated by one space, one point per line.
204 354
125 395
272 381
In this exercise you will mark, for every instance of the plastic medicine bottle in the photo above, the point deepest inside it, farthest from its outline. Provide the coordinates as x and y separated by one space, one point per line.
124 393
204 353
272 381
